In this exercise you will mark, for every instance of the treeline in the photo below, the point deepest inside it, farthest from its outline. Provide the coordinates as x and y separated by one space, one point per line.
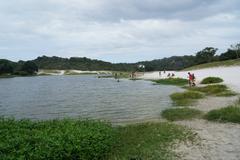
20 68
172 63
78 63
206 55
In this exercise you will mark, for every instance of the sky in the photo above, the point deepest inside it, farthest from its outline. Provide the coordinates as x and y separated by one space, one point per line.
116 30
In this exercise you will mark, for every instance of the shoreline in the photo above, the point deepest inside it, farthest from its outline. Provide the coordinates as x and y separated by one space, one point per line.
217 140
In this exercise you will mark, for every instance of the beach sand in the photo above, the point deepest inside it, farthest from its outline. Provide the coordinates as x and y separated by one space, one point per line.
218 141
230 75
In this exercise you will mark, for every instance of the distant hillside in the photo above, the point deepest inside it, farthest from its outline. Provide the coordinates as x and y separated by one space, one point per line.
78 63
172 63
235 62
86 64
204 58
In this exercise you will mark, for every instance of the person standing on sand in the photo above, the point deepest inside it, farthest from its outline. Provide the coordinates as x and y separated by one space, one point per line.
190 79
160 73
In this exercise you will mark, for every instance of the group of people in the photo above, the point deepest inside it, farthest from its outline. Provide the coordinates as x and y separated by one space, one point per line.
191 79
169 74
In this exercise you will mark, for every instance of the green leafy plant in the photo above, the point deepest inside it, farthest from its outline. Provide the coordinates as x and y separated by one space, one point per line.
56 139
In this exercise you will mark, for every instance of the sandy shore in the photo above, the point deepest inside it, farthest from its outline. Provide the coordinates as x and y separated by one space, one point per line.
218 141
230 75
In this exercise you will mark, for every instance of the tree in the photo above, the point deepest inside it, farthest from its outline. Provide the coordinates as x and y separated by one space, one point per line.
29 67
6 67
206 55
229 54
236 48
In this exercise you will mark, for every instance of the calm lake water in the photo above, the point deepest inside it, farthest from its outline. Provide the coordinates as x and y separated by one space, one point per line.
51 97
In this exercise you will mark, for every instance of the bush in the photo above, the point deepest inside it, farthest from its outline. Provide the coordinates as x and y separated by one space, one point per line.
180 114
228 114
57 139
6 67
185 98
172 81
211 89
210 80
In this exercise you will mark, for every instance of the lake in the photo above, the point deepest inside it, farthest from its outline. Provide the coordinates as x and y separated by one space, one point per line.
51 97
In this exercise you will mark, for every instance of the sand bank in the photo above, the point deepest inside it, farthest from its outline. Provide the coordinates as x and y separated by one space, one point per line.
230 75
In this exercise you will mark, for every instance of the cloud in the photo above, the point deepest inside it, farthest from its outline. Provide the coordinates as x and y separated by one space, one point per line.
116 30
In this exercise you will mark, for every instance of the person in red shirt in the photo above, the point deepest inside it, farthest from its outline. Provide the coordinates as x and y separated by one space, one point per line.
190 79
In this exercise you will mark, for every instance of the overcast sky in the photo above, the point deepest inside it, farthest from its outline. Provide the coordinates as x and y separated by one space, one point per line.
116 30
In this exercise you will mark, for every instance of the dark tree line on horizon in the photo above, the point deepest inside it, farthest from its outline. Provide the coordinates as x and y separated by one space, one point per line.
206 55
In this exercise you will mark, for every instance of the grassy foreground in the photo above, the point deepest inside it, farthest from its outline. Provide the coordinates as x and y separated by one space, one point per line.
172 81
57 139
175 114
150 141
88 140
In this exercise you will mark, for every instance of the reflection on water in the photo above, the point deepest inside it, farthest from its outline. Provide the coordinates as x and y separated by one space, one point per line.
52 97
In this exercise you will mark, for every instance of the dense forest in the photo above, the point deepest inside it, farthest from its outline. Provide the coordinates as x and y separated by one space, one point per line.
172 63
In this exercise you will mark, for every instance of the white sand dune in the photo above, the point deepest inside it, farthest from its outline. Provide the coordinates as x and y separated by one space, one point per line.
230 75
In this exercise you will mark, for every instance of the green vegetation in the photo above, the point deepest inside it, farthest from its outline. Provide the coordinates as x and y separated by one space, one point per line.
88 140
8 68
217 90
185 98
175 114
210 80
149 141
77 63
228 114
172 81
57 139
215 64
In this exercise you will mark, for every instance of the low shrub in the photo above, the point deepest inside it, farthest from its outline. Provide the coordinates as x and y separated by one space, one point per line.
57 139
228 114
185 98
211 89
172 81
175 114
210 80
